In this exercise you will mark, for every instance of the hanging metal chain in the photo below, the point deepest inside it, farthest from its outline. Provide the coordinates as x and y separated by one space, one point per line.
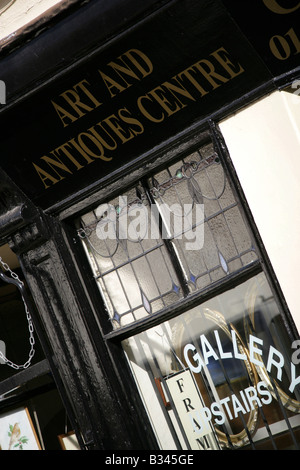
15 280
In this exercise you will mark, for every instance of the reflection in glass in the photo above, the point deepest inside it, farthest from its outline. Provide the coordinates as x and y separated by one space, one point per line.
244 371
200 179
175 234
133 270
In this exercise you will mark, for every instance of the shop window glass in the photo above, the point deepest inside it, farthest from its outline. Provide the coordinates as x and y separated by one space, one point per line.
227 370
15 341
174 233
220 368
32 415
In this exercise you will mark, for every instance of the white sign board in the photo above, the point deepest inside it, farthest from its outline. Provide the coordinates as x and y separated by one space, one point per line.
191 409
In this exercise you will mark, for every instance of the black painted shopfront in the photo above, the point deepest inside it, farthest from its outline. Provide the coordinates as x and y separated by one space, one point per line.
178 337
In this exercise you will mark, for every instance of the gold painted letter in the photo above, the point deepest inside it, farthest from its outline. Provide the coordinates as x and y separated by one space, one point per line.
276 8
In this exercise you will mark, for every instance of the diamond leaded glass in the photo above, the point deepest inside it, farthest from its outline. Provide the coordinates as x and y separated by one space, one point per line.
175 233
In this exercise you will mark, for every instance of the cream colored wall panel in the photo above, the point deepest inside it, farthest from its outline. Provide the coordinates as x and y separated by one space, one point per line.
263 141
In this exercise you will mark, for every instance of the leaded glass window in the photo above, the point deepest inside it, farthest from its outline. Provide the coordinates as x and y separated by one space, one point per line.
204 333
174 233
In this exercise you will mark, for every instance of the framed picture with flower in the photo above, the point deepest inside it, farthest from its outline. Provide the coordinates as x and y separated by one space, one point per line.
17 431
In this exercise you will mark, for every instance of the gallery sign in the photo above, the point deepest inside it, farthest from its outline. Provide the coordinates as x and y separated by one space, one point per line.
110 109
199 419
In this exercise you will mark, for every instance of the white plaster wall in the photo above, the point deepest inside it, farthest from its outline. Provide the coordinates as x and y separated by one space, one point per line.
264 144
20 13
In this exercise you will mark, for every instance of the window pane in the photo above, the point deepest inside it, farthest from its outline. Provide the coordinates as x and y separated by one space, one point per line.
224 245
129 259
156 243
224 374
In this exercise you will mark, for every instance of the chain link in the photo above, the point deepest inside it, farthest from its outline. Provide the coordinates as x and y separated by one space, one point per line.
30 326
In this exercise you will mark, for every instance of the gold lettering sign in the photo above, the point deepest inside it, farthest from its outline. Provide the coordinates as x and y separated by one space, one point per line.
274 6
105 136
